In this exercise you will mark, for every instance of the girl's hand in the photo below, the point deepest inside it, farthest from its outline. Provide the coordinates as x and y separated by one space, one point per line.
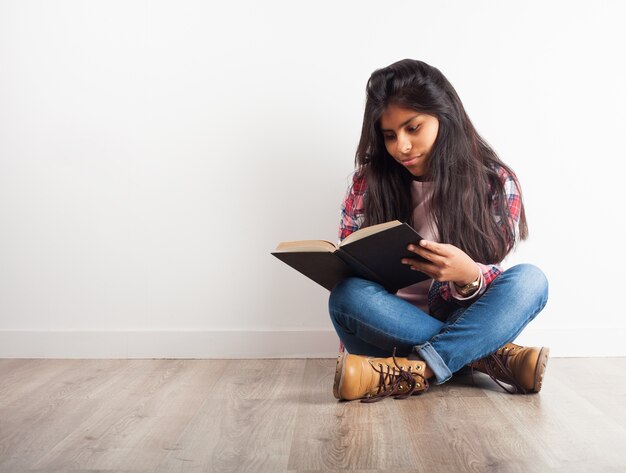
444 262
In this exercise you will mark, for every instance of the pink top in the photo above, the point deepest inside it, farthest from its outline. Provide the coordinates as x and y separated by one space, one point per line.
422 192
417 294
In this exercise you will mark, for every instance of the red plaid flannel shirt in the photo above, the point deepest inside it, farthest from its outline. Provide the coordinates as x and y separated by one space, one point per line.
440 300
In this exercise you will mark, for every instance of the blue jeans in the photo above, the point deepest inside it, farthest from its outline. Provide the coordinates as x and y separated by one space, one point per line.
372 321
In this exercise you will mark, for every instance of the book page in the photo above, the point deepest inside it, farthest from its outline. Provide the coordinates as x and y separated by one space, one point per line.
365 232
305 245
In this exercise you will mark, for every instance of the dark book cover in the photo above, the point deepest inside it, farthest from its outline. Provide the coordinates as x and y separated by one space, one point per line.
382 253
323 267
376 257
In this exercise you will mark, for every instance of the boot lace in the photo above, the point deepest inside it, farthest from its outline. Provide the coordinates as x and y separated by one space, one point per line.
497 369
395 381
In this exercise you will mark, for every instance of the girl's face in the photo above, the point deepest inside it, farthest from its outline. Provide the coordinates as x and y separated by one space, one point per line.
409 136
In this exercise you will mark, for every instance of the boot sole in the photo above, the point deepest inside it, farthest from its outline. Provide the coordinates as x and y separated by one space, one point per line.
540 369
338 375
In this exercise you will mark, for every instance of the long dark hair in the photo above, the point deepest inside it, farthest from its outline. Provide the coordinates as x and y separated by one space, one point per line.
468 204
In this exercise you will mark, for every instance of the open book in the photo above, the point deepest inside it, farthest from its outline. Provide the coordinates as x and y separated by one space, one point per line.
372 253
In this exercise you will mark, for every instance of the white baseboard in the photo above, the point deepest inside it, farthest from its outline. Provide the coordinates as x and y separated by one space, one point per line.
576 342
168 344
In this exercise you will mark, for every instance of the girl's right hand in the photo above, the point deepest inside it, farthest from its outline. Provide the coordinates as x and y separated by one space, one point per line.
445 262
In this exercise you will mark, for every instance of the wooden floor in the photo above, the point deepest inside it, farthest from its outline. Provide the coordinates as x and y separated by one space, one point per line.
280 416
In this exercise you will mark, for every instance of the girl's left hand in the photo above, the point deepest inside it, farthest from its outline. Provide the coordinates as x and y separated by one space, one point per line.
445 262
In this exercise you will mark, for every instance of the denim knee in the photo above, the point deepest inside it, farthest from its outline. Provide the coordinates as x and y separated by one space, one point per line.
342 298
346 292
531 282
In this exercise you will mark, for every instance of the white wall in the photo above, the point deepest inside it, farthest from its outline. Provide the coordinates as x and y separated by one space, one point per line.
152 154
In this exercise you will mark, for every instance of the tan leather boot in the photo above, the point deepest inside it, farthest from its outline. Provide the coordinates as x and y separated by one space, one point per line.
521 367
372 379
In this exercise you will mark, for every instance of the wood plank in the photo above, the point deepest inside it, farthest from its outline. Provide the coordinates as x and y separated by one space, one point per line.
600 381
332 435
464 434
568 432
140 421
246 424
280 415
47 411
32 377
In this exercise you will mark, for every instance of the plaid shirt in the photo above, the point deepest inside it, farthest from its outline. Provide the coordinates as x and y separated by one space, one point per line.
441 299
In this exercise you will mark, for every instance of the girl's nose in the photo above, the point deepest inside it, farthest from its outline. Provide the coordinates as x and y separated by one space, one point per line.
404 145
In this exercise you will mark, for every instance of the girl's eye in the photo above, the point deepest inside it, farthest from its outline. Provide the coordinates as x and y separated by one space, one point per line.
388 137
413 128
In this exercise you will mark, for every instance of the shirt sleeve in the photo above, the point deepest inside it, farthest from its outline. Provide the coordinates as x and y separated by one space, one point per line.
513 200
487 273
352 213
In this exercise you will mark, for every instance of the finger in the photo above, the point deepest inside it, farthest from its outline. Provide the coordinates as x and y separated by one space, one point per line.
426 253
429 269
411 262
436 248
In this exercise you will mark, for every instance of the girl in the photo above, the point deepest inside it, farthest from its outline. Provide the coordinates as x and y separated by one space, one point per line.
421 161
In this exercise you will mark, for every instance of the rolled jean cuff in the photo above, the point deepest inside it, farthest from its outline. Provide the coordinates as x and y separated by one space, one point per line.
427 353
